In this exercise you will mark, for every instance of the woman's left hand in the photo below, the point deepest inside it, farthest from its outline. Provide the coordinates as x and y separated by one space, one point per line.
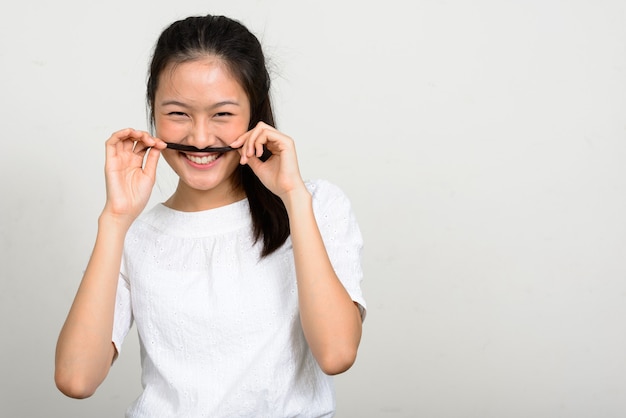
280 172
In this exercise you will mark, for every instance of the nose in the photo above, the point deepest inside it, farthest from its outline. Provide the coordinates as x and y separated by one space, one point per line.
201 135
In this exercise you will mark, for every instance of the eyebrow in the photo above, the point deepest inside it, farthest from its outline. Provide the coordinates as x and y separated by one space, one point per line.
213 106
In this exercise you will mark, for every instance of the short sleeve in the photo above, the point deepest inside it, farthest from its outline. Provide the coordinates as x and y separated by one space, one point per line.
123 315
341 235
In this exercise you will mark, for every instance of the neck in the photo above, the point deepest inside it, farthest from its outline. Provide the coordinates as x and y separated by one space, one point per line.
186 199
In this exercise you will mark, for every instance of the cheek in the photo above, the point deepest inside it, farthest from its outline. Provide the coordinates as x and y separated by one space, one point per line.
168 131
231 131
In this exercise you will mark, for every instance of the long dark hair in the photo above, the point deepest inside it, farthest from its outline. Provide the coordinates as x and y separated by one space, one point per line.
197 37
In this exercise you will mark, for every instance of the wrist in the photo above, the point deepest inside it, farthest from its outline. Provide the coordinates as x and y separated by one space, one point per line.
114 222
296 199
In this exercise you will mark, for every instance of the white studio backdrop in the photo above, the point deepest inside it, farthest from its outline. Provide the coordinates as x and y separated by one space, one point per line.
482 144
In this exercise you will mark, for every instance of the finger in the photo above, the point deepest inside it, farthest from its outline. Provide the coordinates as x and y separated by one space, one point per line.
119 135
141 141
146 139
237 143
127 141
123 135
128 145
159 143
261 138
114 144
240 145
249 145
140 147
254 164
258 146
132 135
257 133
257 139
152 160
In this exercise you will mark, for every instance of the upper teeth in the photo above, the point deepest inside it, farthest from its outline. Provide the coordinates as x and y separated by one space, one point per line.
202 160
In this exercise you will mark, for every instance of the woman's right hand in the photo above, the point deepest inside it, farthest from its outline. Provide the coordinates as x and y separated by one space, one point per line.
129 179
84 348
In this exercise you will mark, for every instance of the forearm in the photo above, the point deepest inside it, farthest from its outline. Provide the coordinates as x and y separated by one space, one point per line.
330 319
84 349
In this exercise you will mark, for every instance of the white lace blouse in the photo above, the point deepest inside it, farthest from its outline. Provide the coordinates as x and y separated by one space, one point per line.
219 326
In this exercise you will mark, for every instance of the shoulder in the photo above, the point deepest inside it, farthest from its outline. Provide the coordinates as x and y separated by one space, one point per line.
327 197
324 190
151 218
152 222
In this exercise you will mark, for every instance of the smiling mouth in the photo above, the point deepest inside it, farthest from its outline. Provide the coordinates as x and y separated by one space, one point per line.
189 148
205 159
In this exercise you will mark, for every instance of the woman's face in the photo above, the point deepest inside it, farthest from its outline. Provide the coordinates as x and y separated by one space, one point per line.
199 103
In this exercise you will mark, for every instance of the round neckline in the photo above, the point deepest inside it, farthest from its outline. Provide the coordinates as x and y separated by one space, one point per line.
203 223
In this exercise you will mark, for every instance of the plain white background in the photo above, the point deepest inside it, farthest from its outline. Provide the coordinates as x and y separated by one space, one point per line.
482 144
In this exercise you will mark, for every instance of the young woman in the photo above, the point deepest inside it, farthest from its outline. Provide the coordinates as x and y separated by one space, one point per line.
245 284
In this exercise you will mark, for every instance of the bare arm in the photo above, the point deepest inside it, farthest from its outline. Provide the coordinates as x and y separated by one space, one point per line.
84 349
331 321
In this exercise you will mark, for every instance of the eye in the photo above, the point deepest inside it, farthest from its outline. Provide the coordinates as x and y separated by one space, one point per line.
223 114
176 114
